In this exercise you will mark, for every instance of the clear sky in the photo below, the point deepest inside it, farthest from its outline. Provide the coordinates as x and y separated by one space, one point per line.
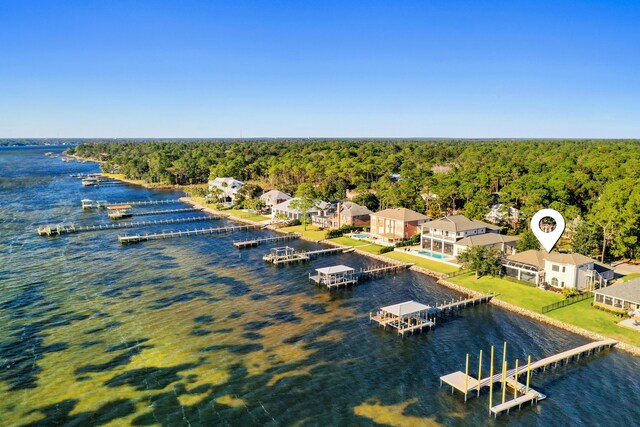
429 68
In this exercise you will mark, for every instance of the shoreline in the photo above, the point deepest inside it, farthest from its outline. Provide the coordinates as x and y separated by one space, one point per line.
440 279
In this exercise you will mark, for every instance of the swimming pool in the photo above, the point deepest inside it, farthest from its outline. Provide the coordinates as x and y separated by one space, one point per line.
432 254
361 236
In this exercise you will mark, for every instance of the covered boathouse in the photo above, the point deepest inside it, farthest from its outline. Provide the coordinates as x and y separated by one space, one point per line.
334 276
406 317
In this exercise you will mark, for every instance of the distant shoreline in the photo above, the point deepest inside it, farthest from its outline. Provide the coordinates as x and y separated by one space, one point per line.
440 277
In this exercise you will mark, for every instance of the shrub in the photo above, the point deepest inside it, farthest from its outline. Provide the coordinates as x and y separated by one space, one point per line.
568 293
294 222
386 249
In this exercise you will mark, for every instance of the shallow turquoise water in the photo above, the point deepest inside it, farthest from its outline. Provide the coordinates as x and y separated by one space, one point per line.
194 332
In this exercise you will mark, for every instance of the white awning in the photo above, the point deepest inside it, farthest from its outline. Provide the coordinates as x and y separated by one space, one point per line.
335 269
404 308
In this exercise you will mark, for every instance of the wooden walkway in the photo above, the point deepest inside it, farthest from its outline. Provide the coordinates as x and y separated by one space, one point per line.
363 274
374 272
257 242
446 309
467 384
304 256
60 229
432 314
166 211
137 238
147 202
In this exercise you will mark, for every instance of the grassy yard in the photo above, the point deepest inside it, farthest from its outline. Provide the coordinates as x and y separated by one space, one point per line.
246 215
630 276
583 315
360 244
514 293
580 314
422 262
312 232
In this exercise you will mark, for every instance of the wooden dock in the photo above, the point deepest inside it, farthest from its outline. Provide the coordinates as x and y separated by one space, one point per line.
60 229
244 244
448 308
287 255
345 276
166 211
137 238
90 204
466 384
374 272
410 317
407 318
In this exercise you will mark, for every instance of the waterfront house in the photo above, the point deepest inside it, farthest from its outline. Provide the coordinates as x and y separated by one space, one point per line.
285 209
451 235
500 213
396 224
274 197
558 270
226 188
622 297
339 214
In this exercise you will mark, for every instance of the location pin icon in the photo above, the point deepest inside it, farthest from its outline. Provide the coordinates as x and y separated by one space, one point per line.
547 240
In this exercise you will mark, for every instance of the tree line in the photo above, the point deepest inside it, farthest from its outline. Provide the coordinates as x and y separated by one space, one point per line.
592 181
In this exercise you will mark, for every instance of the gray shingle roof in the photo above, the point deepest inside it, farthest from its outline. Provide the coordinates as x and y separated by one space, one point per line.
457 223
628 291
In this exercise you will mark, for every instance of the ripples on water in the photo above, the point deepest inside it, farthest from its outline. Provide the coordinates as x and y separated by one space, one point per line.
194 331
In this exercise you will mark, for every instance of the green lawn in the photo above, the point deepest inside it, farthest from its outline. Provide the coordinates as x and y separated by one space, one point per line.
312 232
514 293
422 262
583 315
360 244
630 276
246 215
580 314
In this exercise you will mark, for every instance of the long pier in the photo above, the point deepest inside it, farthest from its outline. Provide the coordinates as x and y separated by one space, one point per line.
374 272
278 258
342 275
411 316
88 204
522 393
60 229
137 238
448 308
166 211
244 244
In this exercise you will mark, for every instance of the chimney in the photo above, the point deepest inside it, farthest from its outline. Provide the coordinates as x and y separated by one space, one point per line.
338 209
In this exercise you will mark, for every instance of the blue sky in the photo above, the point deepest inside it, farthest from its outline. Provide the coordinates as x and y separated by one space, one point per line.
301 68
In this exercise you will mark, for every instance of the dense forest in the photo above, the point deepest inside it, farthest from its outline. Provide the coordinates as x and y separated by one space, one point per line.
592 183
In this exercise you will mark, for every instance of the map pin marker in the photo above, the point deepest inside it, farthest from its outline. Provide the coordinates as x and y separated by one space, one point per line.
547 239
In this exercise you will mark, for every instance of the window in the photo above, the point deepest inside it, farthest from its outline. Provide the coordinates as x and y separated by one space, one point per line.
562 284
564 269
554 282
555 267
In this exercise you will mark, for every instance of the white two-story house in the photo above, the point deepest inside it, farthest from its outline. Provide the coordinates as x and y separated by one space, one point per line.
558 270
225 189
451 235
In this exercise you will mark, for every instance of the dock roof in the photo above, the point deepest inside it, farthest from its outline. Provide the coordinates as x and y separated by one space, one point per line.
335 269
404 308
118 207
458 223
